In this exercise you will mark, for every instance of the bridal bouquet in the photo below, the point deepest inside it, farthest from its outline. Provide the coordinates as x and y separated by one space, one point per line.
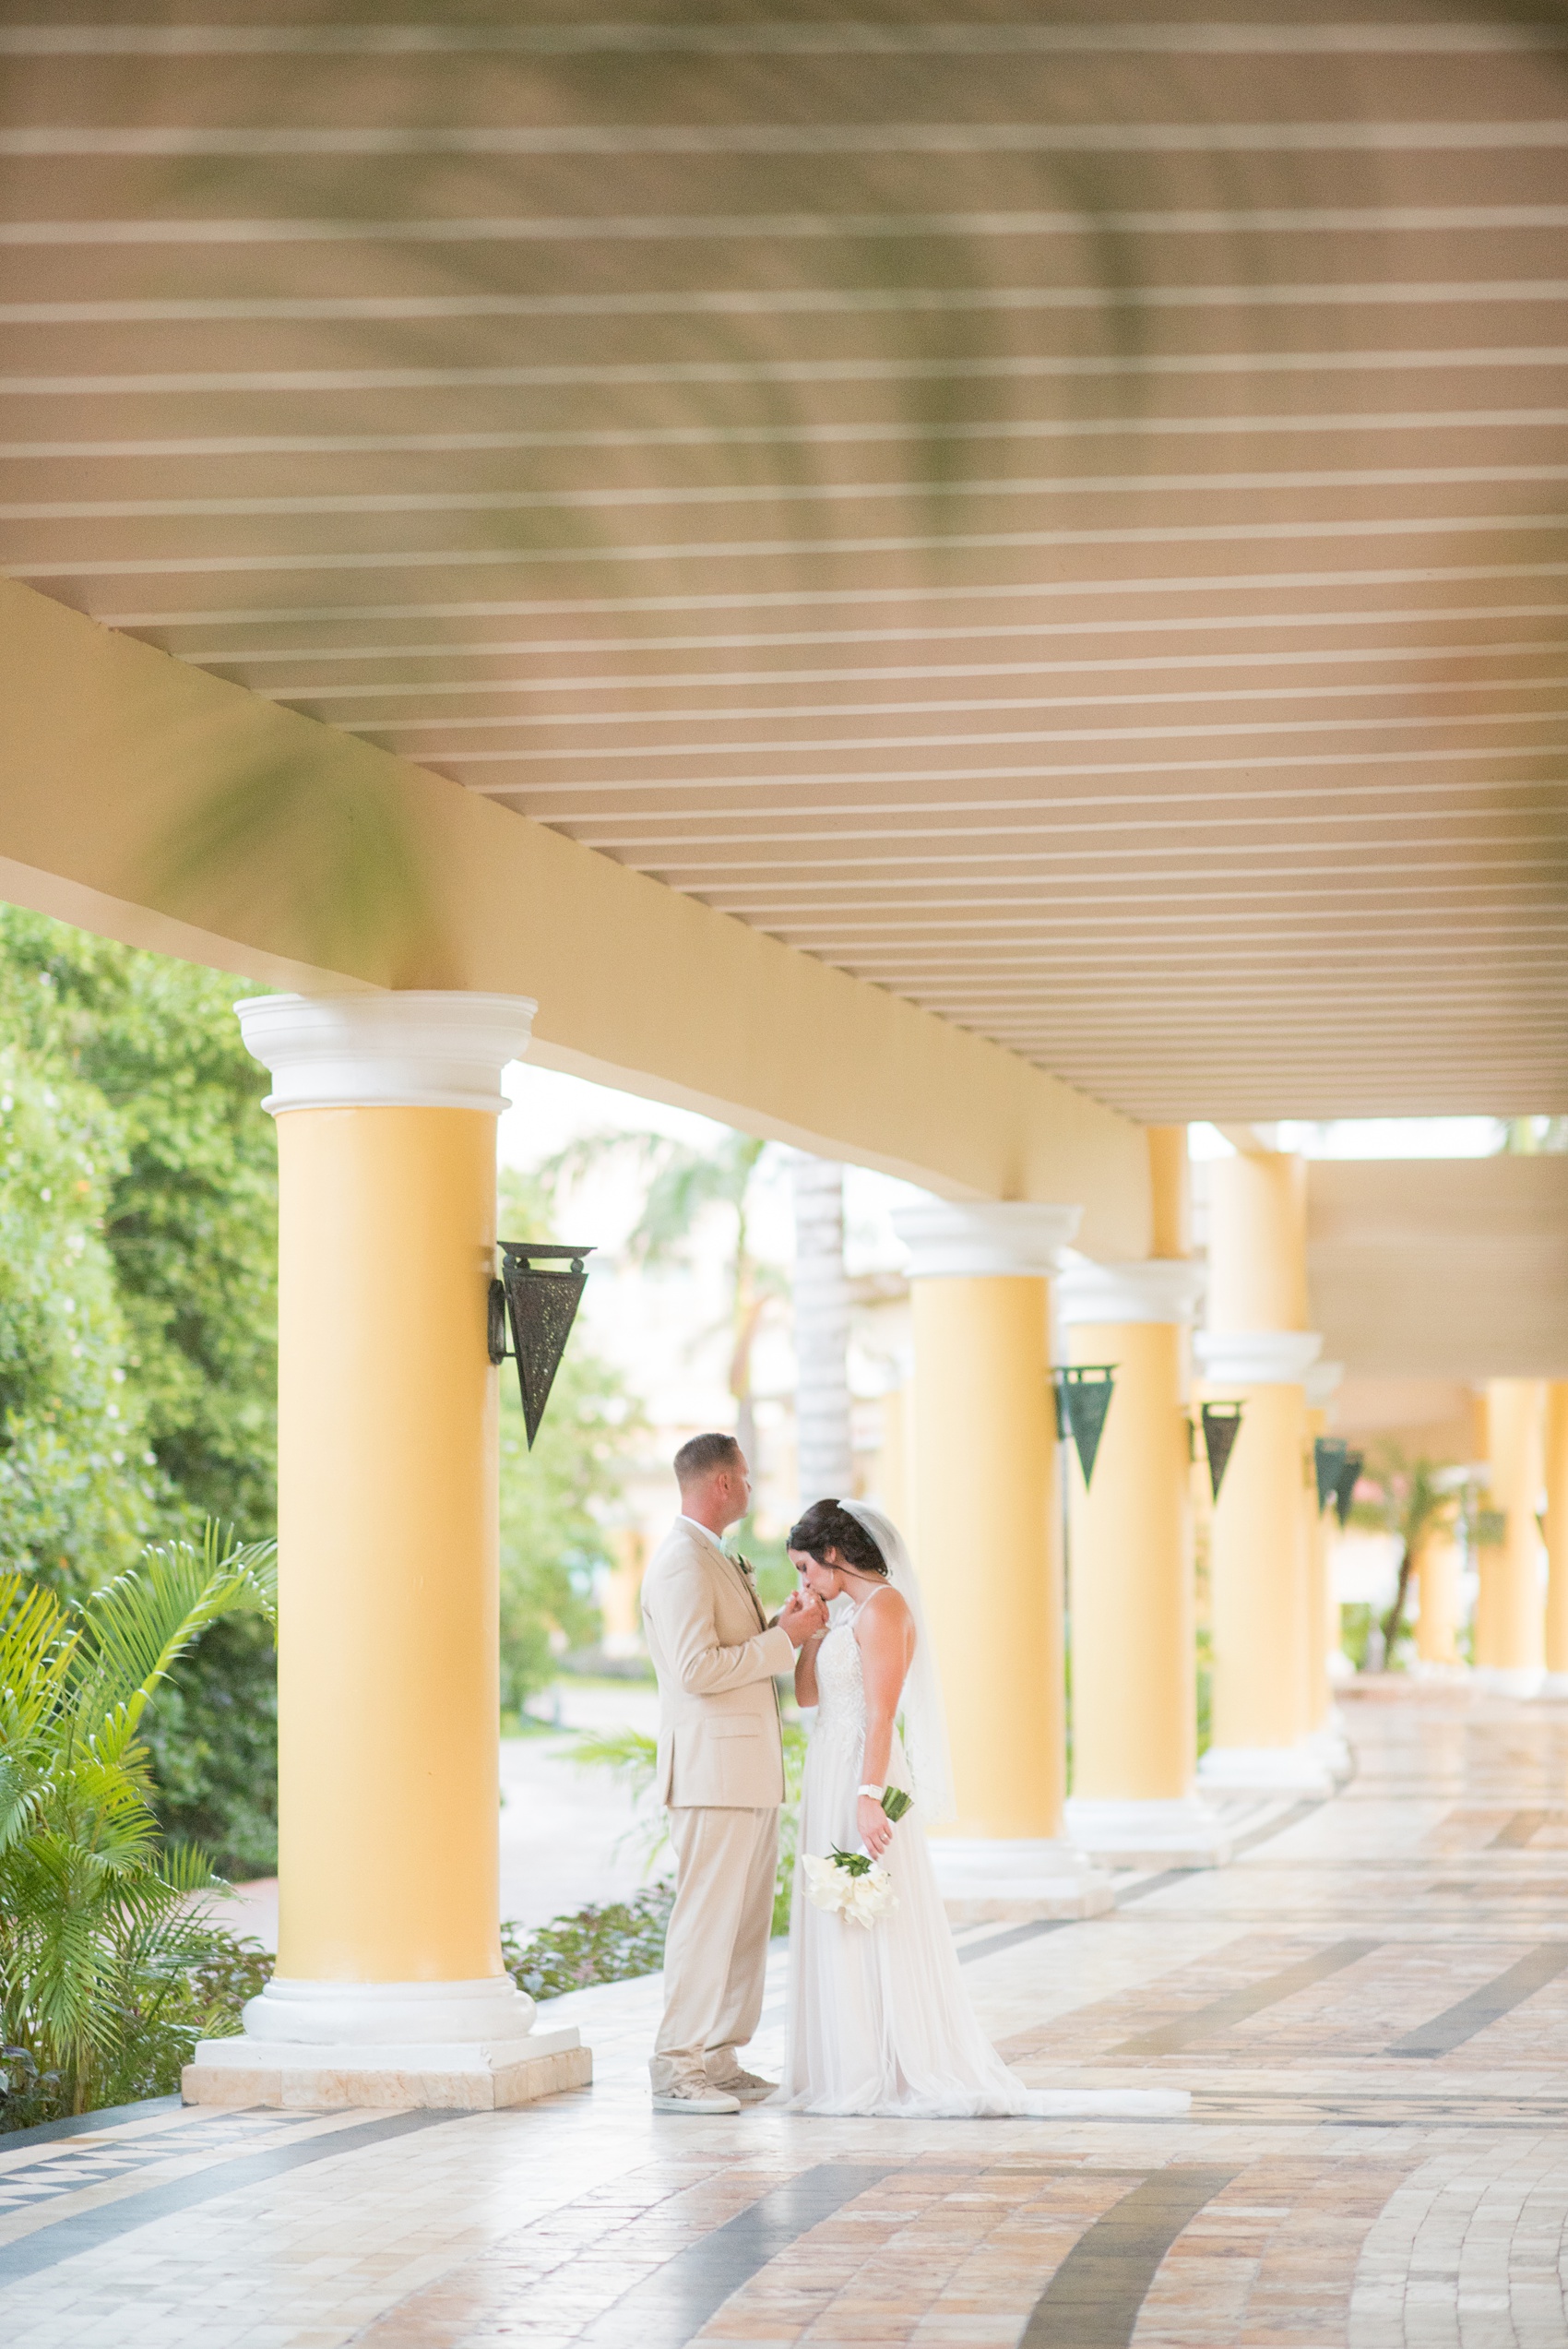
850 1883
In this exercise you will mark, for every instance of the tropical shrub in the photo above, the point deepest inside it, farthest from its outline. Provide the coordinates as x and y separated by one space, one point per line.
110 1964
138 1322
612 1944
633 1756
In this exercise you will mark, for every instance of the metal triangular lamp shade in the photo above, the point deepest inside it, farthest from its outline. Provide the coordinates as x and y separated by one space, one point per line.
1083 1396
1329 1455
539 1302
1222 1425
1345 1485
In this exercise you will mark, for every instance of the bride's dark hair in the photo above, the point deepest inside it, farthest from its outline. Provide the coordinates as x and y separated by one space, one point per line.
828 1525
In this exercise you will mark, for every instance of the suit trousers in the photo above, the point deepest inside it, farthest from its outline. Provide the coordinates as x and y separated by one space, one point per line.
716 1952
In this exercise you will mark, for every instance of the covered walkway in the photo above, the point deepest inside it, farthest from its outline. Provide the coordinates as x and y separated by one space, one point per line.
1370 2007
961 595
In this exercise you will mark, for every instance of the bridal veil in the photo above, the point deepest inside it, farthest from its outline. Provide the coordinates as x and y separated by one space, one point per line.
923 1713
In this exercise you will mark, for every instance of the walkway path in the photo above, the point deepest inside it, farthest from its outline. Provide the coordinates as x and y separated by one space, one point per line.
1370 2009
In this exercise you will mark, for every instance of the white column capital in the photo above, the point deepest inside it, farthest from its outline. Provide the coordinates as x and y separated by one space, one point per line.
1161 1288
407 1049
985 1239
1322 1383
1257 1357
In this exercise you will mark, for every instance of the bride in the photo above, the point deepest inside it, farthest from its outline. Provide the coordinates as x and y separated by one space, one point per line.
879 2021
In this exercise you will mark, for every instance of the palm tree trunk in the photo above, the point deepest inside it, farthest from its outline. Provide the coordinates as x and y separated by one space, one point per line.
1394 1621
825 1466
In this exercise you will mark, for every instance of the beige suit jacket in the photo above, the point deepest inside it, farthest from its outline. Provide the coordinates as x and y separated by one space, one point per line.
719 1741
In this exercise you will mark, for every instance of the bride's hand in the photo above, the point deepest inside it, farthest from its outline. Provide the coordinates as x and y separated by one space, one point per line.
875 1827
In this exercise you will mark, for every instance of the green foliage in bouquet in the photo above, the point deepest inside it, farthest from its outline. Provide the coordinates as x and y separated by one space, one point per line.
852 1863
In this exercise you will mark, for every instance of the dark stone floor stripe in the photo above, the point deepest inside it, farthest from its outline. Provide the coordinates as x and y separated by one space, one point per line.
1493 1999
44 2132
1092 2301
1161 1883
1518 1831
85 2230
1151 1884
1238 2006
1273 1826
669 2306
1011 1936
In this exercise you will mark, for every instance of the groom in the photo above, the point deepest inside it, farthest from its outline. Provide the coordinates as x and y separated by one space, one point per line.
721 1775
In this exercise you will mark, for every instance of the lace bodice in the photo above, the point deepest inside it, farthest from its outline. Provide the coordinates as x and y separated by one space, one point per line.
840 1691
838 1734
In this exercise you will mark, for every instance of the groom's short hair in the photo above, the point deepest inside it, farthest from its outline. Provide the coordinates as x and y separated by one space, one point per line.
701 1455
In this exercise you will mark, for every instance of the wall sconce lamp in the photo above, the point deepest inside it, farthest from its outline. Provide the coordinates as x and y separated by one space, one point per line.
1329 1456
1222 1425
1083 1398
1345 1488
540 1302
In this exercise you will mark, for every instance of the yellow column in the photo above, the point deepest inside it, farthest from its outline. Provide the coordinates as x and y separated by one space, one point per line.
388 1680
1510 1616
619 1601
1134 1707
1134 1711
387 1778
1257 1351
1318 1534
1437 1624
987 1508
1556 1482
1130 1547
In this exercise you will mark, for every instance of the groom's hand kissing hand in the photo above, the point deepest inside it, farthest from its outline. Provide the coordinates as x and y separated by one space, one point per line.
802 1617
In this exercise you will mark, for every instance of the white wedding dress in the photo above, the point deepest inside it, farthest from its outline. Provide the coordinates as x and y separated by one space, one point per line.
879 2019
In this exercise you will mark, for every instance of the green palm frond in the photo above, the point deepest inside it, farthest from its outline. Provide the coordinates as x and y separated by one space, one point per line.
36 1648
137 1627
631 1753
101 1923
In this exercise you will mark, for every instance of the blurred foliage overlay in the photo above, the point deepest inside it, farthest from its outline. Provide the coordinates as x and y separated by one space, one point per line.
138 1216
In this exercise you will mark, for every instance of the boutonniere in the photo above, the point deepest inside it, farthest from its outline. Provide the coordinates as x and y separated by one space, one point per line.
747 1569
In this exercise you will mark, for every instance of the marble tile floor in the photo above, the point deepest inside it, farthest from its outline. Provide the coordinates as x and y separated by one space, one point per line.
1370 2009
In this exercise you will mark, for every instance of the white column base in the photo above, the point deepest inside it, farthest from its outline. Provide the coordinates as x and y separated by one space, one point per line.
986 1881
386 2013
467 2047
1332 1748
1178 1833
1554 1685
1499 1680
443 2075
1265 1769
1340 1668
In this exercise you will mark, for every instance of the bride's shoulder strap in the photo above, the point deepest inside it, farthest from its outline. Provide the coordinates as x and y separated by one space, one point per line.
903 1603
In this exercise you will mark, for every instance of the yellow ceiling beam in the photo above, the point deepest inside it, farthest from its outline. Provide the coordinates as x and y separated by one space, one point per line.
151 802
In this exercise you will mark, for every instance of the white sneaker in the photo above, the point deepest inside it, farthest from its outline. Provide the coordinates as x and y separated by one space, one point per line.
694 2096
747 2086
